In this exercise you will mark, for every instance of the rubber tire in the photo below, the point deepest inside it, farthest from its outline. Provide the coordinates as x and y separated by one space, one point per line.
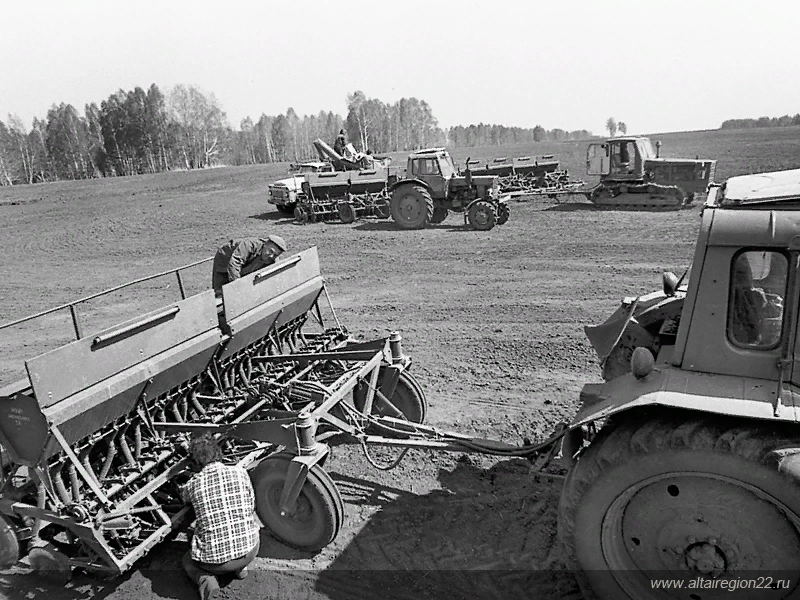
347 213
503 213
9 544
409 398
439 215
319 494
301 215
644 443
485 209
421 197
287 209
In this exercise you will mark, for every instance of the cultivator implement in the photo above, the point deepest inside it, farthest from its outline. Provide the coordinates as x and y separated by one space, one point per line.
524 176
344 196
95 439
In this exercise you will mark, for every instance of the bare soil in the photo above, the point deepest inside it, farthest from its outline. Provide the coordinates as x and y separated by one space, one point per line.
493 320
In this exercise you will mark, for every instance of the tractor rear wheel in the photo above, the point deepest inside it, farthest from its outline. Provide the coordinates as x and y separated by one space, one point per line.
675 495
412 206
439 215
503 212
318 512
482 215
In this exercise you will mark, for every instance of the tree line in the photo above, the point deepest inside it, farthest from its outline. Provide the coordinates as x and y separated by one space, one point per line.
149 131
784 121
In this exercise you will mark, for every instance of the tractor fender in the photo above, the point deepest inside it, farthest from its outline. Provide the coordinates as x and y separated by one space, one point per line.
674 388
402 182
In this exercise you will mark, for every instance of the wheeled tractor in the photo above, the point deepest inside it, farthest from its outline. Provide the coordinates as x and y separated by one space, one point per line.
433 186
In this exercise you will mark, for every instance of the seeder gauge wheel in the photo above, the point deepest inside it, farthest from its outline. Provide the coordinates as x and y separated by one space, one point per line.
408 398
318 512
347 214
301 215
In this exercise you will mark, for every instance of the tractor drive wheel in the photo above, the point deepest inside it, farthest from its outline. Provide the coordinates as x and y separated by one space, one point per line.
503 212
9 544
408 398
318 512
439 215
675 495
482 215
347 214
287 209
412 206
301 215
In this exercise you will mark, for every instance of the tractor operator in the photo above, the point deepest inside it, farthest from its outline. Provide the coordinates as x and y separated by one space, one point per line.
226 536
340 143
242 257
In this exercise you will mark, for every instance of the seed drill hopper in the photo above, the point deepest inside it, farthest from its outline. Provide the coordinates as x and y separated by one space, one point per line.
94 440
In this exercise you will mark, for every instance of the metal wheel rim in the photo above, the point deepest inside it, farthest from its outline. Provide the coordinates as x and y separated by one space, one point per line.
634 580
411 209
301 527
481 215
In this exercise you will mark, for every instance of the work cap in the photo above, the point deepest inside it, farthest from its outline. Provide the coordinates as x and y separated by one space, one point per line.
278 241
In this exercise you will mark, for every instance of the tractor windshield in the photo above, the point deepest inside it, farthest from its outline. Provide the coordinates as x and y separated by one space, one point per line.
446 164
646 148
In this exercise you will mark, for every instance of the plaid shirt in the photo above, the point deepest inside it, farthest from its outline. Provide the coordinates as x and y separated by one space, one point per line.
224 502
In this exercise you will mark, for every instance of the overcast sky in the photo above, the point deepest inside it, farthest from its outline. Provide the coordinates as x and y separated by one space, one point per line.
658 65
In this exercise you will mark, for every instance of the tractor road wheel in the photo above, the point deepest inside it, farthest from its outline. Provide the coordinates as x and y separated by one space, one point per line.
411 206
347 214
318 512
408 398
287 209
482 215
439 215
503 213
668 494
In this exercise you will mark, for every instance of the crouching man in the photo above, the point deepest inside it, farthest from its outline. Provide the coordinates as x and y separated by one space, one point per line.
226 536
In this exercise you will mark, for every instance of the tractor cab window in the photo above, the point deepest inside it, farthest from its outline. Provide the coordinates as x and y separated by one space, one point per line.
755 307
425 166
623 155
446 165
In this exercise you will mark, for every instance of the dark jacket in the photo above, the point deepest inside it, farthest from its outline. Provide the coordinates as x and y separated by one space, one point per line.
240 257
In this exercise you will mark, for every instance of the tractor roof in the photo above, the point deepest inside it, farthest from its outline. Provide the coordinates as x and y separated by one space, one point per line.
429 151
762 188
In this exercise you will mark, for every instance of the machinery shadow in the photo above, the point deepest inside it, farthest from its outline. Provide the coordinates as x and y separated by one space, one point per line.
35 586
272 215
488 533
391 226
571 206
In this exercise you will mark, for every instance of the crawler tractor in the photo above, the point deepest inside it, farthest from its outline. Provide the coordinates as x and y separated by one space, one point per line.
433 187
632 175
694 476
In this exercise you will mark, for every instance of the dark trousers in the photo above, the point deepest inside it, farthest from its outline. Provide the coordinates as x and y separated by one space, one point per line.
219 279
196 569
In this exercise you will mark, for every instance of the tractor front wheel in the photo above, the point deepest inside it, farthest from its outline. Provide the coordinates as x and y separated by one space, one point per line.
503 212
439 215
317 515
482 215
411 206
677 495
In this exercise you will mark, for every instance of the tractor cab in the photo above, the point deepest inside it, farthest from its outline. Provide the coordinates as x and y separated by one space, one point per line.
619 158
435 167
